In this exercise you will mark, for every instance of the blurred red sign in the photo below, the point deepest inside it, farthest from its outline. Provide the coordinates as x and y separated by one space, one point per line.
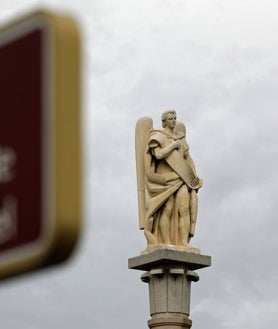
21 140
28 141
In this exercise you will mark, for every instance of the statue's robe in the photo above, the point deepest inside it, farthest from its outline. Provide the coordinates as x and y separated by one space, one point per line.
164 177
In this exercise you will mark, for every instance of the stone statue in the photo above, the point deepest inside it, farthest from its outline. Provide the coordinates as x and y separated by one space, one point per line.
167 183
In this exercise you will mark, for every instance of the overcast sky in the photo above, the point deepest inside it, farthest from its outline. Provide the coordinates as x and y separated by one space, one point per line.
216 63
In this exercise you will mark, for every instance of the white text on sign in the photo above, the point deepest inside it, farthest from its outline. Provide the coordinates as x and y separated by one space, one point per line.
7 163
8 207
8 219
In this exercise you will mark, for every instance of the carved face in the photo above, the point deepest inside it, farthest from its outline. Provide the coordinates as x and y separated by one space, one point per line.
170 120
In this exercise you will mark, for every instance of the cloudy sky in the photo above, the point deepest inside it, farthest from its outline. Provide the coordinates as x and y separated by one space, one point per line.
216 63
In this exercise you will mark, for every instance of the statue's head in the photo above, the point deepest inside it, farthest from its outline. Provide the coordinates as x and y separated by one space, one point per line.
167 114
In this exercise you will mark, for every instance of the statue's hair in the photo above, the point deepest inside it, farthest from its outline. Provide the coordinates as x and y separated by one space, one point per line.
164 116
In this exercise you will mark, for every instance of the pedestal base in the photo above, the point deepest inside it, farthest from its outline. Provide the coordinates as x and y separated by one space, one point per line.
169 274
170 322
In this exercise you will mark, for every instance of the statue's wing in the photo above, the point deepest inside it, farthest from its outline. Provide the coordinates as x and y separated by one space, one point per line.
143 127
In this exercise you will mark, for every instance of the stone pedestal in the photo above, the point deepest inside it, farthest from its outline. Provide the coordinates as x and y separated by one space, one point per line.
169 274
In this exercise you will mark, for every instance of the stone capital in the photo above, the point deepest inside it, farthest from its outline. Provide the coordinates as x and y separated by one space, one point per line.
164 256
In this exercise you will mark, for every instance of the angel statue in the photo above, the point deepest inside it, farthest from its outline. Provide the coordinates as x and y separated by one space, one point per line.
167 182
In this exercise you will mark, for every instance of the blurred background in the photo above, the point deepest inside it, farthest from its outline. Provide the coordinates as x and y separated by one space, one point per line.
215 62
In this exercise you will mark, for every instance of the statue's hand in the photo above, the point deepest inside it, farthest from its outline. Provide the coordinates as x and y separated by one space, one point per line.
176 145
197 183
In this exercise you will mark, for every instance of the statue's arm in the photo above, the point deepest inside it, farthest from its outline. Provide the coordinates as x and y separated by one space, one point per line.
162 153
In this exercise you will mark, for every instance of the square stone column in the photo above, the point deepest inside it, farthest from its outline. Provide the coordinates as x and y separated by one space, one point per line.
169 274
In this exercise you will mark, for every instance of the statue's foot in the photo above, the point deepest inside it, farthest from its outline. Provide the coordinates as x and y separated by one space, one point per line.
158 246
186 245
190 248
151 239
